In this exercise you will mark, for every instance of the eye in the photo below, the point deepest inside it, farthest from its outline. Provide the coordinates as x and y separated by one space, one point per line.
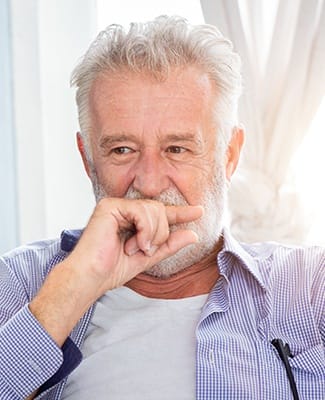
121 150
176 149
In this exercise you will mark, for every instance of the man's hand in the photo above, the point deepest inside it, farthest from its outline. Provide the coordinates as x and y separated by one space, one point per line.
123 238
126 237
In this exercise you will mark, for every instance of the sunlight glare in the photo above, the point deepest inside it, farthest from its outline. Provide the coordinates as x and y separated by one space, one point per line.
309 167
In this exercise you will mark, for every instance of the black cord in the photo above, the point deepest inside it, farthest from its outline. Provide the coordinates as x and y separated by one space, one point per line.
284 353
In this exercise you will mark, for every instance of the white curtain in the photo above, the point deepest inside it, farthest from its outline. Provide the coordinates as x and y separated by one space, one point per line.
47 38
8 198
282 92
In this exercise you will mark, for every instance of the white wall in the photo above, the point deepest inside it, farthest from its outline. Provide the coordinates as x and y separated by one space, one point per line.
48 38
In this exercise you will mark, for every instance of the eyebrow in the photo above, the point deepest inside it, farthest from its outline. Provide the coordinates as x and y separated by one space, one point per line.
184 137
111 139
108 140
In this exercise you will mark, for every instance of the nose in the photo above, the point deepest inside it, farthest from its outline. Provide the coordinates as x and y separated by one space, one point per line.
150 175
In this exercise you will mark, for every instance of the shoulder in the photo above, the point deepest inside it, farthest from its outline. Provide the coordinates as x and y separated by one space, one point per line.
37 253
294 279
28 265
278 265
295 274
278 257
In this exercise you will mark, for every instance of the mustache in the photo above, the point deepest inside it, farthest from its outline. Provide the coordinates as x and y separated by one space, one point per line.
170 197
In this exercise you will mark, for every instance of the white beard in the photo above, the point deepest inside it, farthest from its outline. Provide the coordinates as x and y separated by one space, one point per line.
208 227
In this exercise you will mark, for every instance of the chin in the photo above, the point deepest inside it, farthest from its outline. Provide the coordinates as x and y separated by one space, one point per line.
183 259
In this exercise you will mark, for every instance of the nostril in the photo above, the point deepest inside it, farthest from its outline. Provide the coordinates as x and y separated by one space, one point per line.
150 174
151 186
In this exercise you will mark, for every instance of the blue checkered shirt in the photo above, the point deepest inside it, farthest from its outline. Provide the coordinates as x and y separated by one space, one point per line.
266 291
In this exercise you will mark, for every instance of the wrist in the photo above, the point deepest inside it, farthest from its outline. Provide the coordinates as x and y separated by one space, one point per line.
62 301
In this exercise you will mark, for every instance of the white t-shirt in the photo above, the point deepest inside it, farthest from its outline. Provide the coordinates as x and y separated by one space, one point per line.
138 348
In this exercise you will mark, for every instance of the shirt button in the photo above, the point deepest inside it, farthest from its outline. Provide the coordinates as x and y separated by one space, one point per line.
211 356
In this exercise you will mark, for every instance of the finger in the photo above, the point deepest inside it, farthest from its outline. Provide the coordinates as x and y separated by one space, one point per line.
154 217
156 214
131 246
162 229
137 215
152 228
139 241
167 216
176 241
181 214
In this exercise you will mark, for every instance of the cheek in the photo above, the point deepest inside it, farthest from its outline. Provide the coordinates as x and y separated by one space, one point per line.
115 181
194 183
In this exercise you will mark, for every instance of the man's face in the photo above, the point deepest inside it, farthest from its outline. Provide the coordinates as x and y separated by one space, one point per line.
158 140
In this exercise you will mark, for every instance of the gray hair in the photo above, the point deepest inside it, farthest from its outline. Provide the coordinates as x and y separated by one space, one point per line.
155 47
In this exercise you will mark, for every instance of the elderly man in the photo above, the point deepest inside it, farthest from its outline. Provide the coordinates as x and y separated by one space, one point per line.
154 299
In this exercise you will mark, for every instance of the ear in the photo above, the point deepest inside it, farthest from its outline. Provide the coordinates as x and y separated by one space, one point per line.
233 151
82 151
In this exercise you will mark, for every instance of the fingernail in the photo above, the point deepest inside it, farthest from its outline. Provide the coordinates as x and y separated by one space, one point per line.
147 246
131 252
151 251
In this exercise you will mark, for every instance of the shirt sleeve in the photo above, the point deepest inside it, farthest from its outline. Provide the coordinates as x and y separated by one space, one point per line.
30 359
317 295
28 356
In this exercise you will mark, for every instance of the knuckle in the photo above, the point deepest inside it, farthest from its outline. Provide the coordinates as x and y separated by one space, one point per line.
104 203
101 205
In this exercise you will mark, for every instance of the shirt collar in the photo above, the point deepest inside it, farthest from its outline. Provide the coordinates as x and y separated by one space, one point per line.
69 238
232 248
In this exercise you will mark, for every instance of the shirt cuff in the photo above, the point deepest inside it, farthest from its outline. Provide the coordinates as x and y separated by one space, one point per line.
72 357
28 355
